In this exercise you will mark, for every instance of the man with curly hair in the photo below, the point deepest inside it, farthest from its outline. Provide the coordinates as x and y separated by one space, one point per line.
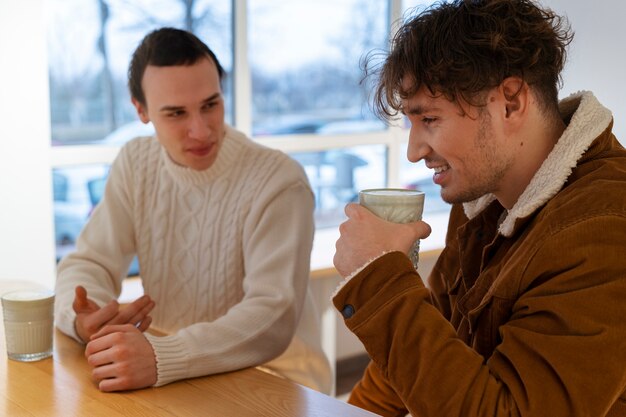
524 312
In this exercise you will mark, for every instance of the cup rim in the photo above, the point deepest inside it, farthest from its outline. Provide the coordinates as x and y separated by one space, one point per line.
404 191
29 296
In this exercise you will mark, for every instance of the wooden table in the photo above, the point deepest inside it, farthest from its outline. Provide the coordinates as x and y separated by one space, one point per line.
62 386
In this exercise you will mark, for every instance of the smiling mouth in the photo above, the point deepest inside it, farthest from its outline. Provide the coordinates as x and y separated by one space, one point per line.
441 169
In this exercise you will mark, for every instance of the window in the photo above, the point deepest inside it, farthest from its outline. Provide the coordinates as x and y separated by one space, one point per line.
293 83
409 6
304 60
90 43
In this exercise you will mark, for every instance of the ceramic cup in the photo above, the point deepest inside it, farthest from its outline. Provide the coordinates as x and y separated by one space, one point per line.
28 324
395 205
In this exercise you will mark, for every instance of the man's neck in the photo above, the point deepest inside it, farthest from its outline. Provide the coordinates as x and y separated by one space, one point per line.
535 144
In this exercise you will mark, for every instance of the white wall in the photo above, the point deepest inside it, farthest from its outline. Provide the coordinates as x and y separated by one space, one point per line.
26 231
597 56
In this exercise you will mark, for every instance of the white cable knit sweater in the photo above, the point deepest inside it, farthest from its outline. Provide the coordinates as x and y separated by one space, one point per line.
224 253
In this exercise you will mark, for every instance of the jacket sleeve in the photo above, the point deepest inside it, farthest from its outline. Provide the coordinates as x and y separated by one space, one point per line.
104 250
374 393
561 352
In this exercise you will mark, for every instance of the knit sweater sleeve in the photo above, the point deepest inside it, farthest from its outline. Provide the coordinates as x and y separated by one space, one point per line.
104 249
277 241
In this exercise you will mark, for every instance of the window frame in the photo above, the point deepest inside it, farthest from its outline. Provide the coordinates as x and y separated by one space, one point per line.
33 213
394 137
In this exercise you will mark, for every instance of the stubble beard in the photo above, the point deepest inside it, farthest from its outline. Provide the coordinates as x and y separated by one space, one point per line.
489 166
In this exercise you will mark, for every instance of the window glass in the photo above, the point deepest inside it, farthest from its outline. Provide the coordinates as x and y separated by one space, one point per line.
337 175
411 6
305 63
77 190
90 43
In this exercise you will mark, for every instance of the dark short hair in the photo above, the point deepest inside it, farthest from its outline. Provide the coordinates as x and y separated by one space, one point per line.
463 48
163 48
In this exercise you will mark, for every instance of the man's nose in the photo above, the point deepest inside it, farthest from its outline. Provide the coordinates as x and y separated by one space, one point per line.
418 149
198 127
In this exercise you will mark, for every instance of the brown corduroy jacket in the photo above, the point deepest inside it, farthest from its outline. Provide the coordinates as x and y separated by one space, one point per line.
525 311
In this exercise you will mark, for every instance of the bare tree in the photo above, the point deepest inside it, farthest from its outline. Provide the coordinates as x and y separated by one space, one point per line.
107 77
365 36
196 14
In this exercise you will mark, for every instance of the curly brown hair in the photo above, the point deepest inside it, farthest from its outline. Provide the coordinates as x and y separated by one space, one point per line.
464 48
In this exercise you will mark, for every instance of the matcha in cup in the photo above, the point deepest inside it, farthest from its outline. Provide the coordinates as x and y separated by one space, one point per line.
395 205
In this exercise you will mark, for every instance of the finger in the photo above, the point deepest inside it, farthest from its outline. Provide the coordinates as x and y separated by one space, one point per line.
111 329
105 371
90 321
353 210
141 314
95 347
100 317
145 324
113 384
126 314
421 229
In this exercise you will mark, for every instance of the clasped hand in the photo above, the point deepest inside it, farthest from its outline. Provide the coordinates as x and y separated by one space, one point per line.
364 236
121 356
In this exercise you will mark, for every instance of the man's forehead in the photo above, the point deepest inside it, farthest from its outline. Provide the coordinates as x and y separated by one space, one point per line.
408 86
422 100
179 86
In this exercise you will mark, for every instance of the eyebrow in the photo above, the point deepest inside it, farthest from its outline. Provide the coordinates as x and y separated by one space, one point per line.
209 99
418 109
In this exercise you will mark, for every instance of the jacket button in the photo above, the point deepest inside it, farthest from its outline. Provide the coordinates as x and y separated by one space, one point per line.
347 311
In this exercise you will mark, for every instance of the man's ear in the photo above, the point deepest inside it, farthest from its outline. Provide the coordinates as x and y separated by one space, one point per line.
142 111
516 95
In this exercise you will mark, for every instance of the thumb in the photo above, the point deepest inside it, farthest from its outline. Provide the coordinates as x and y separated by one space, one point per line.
357 211
422 230
81 302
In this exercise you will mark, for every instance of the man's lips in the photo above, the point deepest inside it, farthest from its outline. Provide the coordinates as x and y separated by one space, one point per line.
201 150
440 172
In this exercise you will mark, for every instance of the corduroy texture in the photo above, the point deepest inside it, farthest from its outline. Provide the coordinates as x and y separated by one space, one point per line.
523 318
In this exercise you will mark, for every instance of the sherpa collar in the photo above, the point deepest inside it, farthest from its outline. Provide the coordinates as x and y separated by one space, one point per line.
588 120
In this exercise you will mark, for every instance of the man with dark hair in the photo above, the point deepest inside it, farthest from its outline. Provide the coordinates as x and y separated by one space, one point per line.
223 230
523 313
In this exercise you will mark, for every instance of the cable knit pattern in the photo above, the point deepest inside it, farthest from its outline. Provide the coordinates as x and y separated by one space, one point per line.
224 253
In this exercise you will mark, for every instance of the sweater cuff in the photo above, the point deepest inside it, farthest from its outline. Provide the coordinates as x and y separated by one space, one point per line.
171 358
66 322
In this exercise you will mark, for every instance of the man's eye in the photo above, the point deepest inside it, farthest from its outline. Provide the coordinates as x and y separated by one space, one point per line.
177 113
428 120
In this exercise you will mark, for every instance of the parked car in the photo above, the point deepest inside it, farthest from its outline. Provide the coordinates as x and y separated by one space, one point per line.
72 202
126 132
77 190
